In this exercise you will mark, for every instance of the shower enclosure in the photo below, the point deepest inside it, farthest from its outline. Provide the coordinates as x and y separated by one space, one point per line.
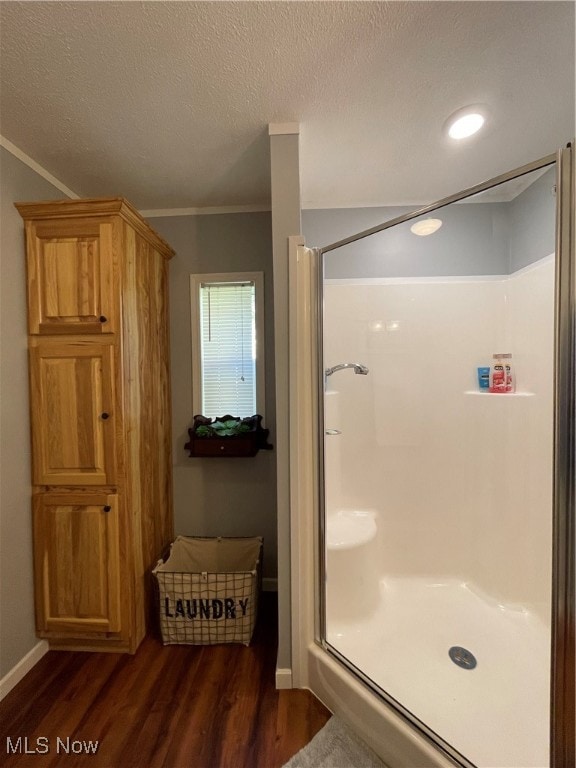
443 543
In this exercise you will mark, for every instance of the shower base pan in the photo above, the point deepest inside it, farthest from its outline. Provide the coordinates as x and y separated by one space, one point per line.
495 713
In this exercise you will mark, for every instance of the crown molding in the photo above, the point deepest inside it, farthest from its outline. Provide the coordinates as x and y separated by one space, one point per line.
23 157
197 211
207 211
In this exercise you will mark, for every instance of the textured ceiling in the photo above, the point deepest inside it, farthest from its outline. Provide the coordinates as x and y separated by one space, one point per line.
168 103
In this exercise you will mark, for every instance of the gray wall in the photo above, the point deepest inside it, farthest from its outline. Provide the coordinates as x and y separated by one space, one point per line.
532 217
472 241
476 238
18 183
224 497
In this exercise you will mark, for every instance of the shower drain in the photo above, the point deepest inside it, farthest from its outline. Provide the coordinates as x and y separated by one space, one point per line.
462 657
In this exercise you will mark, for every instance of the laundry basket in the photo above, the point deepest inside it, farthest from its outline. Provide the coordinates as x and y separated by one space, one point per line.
208 590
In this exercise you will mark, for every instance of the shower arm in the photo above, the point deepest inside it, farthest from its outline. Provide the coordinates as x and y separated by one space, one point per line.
359 368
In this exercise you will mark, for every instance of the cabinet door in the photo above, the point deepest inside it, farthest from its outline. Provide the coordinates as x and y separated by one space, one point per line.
72 406
77 562
70 276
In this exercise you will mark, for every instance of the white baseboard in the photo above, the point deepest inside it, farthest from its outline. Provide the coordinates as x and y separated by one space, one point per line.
269 585
283 679
12 678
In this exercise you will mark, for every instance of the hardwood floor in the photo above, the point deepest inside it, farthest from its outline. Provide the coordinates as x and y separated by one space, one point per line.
165 707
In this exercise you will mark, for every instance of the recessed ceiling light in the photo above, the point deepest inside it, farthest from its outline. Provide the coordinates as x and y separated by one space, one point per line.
426 227
466 121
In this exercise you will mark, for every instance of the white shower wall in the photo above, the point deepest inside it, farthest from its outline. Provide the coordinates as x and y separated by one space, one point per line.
460 481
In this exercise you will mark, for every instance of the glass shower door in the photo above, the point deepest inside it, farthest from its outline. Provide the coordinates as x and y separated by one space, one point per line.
438 359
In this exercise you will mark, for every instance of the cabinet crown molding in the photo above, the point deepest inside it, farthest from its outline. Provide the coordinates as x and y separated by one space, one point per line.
95 208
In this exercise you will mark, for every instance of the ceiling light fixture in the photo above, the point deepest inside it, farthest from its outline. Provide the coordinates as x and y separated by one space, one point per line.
426 227
466 121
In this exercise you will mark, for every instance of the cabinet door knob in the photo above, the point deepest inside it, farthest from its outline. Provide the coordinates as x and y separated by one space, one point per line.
103 319
105 415
107 508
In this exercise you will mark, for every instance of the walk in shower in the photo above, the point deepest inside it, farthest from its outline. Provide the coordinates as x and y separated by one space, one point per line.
444 506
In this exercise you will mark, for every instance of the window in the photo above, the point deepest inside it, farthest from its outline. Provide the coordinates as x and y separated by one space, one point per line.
228 344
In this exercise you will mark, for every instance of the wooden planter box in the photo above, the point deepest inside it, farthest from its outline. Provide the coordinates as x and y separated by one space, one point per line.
235 446
242 445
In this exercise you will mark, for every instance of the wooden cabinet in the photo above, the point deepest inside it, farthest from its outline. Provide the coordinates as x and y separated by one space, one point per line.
72 398
70 276
100 418
77 562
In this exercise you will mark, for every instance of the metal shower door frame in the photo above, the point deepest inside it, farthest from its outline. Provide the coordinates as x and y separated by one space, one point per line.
563 598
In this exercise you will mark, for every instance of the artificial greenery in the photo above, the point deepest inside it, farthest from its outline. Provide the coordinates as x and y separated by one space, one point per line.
227 428
252 436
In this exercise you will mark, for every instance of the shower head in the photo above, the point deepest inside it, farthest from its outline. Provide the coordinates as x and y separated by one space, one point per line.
358 368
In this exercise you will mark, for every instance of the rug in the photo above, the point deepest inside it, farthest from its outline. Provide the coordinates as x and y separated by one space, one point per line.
335 746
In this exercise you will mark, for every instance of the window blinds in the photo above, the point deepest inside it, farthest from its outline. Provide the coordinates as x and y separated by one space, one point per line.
228 349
